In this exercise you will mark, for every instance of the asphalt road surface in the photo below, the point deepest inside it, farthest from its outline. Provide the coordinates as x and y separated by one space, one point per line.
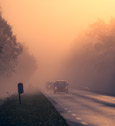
84 108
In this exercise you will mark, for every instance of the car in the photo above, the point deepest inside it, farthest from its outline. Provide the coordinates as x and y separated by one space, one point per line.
60 86
49 86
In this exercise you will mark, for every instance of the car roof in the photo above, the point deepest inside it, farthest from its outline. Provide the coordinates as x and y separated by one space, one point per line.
60 81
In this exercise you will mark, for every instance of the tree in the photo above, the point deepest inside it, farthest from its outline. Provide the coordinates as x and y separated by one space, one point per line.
15 60
10 49
92 63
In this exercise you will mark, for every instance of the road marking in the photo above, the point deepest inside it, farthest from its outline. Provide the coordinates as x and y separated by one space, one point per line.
84 123
78 118
73 114
69 111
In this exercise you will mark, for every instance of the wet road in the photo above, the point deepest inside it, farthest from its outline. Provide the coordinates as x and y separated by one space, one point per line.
84 108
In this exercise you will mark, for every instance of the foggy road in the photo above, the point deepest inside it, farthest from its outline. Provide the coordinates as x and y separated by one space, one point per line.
83 107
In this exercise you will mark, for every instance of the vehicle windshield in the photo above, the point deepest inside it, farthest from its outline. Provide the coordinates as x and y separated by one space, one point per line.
60 83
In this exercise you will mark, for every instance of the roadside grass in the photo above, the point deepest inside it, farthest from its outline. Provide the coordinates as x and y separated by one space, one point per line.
35 110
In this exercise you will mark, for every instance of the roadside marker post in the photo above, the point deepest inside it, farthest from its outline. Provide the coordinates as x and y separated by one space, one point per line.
20 91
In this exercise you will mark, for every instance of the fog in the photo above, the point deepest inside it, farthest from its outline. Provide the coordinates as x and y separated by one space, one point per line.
25 69
91 65
58 43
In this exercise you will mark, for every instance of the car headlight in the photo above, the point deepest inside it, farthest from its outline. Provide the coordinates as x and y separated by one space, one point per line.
55 87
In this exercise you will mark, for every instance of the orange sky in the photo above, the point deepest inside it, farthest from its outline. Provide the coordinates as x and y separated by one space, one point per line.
49 27
41 23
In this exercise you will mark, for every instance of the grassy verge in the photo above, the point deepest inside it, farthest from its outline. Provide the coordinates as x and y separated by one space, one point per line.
35 110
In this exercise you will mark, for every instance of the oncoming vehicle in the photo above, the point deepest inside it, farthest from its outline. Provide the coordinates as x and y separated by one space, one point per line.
50 86
60 86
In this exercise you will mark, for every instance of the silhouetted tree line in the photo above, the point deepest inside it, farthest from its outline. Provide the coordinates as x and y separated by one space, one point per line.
16 63
14 58
10 49
92 62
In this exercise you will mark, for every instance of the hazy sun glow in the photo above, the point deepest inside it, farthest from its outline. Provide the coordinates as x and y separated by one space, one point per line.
44 24
49 27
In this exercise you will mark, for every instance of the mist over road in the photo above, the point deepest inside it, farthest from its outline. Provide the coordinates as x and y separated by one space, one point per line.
85 108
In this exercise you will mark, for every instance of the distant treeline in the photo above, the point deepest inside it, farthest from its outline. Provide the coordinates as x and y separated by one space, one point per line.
16 63
91 64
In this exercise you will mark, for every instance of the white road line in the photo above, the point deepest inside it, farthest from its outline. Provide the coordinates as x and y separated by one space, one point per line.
69 111
84 123
78 118
73 114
